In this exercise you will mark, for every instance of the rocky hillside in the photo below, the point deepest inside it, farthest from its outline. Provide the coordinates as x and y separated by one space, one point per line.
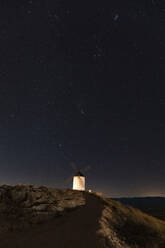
24 205
154 206
32 216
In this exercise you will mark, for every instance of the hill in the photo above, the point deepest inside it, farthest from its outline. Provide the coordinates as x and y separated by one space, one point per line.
154 206
32 216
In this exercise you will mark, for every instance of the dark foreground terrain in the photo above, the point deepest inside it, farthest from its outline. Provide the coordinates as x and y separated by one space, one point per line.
37 217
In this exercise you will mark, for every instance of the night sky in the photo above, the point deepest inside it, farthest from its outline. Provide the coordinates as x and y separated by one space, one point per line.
83 81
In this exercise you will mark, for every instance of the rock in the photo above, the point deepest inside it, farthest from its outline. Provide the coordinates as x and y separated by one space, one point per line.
32 204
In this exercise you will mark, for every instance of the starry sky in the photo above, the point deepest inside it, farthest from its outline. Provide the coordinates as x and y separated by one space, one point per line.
83 82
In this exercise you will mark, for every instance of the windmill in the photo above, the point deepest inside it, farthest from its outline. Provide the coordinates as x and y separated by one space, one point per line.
78 177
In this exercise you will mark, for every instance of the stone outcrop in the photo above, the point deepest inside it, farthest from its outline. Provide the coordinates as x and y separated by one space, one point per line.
24 205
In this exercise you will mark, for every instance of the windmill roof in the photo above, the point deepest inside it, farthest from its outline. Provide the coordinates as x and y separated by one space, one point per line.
79 174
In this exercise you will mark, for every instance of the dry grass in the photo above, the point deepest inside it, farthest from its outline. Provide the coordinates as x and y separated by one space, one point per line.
135 228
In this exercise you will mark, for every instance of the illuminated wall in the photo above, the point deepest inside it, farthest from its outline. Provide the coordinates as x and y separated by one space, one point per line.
78 183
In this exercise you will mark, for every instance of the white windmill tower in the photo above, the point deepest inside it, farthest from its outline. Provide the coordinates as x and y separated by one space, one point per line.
78 178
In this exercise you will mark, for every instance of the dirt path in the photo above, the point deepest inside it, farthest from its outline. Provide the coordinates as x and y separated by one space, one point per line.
77 229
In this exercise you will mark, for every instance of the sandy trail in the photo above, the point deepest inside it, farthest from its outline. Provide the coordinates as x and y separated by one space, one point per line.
76 229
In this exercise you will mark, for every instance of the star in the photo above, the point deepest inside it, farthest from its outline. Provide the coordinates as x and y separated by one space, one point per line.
116 17
13 116
29 12
82 111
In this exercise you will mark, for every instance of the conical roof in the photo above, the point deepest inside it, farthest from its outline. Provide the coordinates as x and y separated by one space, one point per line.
79 174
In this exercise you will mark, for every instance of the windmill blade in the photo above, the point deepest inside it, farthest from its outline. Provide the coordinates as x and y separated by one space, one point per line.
86 169
69 179
74 167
